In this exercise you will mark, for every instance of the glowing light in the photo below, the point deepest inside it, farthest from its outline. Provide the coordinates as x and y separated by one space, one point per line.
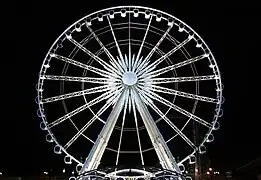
63 170
196 170
72 172
1 173
210 169
186 171
208 173
129 78
46 173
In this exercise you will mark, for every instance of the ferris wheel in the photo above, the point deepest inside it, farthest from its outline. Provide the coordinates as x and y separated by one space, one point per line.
129 86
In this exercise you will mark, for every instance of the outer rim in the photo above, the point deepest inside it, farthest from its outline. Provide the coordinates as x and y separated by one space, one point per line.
218 106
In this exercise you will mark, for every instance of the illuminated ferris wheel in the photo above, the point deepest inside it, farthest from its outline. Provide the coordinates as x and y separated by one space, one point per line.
128 86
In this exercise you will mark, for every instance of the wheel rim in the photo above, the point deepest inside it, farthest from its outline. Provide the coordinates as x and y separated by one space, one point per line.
112 74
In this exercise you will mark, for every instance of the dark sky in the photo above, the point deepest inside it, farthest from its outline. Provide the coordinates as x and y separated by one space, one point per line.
229 31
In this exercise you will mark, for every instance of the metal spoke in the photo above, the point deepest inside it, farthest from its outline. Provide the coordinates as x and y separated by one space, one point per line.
96 116
98 59
84 66
141 46
81 79
177 108
80 93
94 157
133 60
117 45
123 63
145 65
129 42
122 126
153 65
137 130
105 50
130 62
120 65
83 107
126 61
147 58
180 93
179 79
129 103
167 120
174 66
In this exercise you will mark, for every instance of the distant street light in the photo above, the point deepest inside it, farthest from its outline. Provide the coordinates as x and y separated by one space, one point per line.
63 170
1 173
46 173
72 172
208 173
210 169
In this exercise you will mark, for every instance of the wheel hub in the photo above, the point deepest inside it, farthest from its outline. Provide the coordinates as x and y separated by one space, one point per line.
129 78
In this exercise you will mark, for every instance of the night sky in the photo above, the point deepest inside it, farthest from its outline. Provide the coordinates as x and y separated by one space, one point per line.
229 31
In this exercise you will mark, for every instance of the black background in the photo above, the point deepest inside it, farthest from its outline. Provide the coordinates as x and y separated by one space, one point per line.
229 30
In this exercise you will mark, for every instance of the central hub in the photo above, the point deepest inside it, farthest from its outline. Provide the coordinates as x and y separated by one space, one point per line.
129 78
